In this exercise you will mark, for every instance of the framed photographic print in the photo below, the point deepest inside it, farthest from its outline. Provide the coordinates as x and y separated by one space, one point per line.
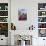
22 14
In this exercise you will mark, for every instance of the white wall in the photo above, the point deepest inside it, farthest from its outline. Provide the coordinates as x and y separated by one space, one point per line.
31 13
32 9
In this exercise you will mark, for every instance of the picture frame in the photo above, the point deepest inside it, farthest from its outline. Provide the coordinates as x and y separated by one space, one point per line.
22 14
